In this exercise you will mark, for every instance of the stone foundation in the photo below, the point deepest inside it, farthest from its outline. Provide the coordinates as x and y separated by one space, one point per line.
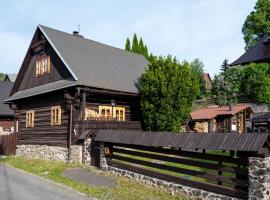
259 178
42 152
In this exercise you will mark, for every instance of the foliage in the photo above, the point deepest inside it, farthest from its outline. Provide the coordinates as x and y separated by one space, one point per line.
137 47
197 70
225 65
2 76
257 23
126 188
167 90
256 82
252 80
127 46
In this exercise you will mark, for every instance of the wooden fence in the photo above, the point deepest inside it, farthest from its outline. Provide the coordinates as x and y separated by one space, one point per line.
8 144
215 171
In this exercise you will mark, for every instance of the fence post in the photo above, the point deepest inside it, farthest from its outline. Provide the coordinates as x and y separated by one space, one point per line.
259 178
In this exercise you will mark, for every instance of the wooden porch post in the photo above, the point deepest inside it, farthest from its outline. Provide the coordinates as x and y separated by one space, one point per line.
244 122
209 126
83 109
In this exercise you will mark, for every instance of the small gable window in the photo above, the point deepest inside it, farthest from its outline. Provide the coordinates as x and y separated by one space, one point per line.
56 115
29 118
43 65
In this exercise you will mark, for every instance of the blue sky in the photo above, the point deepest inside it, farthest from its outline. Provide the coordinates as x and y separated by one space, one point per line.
188 29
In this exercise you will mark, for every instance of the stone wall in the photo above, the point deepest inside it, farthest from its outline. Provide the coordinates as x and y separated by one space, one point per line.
43 152
259 178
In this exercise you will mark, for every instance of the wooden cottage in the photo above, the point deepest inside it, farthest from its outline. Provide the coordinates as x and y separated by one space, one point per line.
224 119
259 53
68 84
6 114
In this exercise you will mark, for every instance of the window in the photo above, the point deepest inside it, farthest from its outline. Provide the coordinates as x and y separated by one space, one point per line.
105 111
43 65
30 116
119 113
56 115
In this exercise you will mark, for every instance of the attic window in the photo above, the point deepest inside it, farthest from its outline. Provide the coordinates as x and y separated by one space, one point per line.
43 65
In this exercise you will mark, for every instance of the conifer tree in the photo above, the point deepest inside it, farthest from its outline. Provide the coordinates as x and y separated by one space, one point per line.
225 65
127 46
135 44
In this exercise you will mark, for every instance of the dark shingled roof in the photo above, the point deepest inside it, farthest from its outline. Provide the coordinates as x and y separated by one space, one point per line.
5 88
209 141
95 64
49 87
260 52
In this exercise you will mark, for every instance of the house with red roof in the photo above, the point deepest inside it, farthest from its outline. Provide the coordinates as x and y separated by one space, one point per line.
221 119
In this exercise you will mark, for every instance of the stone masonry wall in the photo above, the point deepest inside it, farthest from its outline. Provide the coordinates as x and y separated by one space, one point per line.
76 154
168 186
259 178
86 159
43 152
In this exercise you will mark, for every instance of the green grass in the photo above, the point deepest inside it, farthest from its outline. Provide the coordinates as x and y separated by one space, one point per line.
126 189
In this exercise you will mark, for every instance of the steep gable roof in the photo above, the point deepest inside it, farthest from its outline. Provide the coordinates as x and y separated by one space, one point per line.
260 52
95 64
5 88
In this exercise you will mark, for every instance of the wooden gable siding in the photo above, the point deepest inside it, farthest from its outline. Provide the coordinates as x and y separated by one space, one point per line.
130 103
58 71
43 133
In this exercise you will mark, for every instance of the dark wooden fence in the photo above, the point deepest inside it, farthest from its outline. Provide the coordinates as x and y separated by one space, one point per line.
8 144
215 171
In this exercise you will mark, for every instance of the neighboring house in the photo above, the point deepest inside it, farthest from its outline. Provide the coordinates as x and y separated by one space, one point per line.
208 82
221 119
261 122
6 114
68 85
259 53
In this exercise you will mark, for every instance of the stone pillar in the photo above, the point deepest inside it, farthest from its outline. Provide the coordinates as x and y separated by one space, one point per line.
103 160
259 178
87 151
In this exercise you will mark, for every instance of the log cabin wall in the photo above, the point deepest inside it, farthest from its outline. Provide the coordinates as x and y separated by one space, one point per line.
43 133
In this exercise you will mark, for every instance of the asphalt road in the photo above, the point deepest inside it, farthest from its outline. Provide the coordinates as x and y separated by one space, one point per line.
18 185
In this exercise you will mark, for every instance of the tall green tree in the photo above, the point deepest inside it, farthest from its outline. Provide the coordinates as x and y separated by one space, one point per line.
256 82
135 44
197 68
225 65
257 23
137 47
127 45
167 91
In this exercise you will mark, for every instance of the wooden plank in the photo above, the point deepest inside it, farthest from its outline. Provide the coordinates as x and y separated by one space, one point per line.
197 155
184 161
190 172
200 185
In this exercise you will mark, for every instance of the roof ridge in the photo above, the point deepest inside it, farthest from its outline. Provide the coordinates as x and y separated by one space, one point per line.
130 52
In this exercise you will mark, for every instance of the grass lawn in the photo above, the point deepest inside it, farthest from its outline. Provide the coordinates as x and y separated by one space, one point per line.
126 189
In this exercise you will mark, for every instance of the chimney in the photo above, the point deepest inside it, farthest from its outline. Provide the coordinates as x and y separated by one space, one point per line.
77 33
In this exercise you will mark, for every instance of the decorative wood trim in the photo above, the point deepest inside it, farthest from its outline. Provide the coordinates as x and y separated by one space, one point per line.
29 119
56 115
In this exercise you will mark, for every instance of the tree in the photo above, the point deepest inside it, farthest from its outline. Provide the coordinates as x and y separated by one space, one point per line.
167 91
227 86
137 47
225 65
257 82
257 23
197 68
135 44
127 46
